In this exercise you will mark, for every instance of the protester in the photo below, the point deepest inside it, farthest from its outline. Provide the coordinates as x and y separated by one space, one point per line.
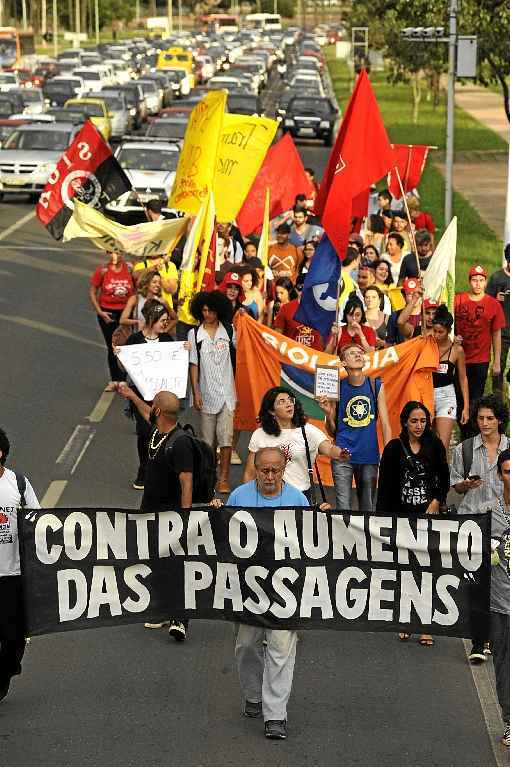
111 286
409 319
395 254
231 286
308 254
387 217
499 288
384 199
366 278
15 492
283 425
301 230
166 269
285 323
154 331
229 245
473 472
169 468
253 298
285 292
354 329
452 363
413 473
249 250
401 227
284 258
374 314
500 591
310 174
479 319
383 276
353 425
212 371
349 278
265 657
373 234
420 219
409 266
370 255
148 288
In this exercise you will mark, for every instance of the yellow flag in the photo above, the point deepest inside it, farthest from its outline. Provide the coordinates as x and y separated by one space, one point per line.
189 267
197 163
264 235
141 240
243 146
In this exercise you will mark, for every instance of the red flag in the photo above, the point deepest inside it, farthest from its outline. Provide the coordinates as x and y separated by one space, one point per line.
410 160
361 156
209 278
283 173
87 170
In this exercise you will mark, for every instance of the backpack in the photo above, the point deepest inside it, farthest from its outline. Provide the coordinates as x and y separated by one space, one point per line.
22 486
230 333
204 463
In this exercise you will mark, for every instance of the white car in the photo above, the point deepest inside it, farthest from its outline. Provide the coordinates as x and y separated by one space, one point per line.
229 83
9 81
93 78
76 83
33 100
120 70
152 94
150 166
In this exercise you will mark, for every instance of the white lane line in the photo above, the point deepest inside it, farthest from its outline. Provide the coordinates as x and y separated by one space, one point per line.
17 225
51 329
74 448
82 452
485 685
100 409
52 495
42 263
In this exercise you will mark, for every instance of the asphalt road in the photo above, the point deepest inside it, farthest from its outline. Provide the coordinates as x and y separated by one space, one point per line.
129 696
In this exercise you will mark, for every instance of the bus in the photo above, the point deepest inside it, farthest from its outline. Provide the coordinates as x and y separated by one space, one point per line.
17 48
264 22
220 22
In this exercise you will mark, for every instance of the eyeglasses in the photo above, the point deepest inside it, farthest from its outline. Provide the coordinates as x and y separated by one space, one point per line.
270 470
285 401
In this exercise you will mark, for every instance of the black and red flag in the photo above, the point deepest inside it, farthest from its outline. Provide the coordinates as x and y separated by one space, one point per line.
88 171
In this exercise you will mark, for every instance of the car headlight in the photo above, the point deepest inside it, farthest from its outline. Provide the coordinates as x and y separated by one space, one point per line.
132 111
324 124
46 167
289 122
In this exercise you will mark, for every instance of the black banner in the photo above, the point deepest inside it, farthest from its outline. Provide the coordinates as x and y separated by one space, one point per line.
278 568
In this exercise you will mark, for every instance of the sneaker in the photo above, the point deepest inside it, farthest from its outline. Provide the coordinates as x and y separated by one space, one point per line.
487 649
252 710
4 689
138 484
177 630
276 729
477 655
235 458
506 735
156 625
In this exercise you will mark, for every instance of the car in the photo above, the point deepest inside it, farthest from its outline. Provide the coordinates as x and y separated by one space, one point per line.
32 99
94 78
11 102
135 97
7 125
30 154
180 82
311 117
118 112
164 86
96 111
9 81
225 82
43 71
151 94
170 127
63 115
244 104
57 91
150 165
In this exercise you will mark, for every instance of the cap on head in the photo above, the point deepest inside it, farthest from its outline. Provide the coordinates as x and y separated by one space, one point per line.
430 303
477 271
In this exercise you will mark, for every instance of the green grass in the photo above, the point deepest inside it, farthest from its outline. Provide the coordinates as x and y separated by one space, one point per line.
477 243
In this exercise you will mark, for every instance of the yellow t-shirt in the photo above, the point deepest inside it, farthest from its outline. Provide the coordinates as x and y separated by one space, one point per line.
167 271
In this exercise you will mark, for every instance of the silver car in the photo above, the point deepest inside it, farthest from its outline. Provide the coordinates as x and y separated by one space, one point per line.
150 166
30 154
120 117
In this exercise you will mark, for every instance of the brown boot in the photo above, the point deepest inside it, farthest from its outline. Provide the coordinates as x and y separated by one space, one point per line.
222 485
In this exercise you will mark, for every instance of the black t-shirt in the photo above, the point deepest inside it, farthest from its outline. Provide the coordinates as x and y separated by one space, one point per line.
139 338
166 461
409 268
499 282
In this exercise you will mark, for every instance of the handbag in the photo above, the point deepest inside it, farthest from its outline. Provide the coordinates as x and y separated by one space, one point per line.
313 494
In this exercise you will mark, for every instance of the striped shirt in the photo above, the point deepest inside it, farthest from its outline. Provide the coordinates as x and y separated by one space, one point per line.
491 487
216 381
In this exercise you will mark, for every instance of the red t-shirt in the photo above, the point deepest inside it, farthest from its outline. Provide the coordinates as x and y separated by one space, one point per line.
475 321
424 221
114 287
302 334
346 338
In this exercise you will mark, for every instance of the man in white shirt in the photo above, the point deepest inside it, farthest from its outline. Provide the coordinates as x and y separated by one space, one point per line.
15 492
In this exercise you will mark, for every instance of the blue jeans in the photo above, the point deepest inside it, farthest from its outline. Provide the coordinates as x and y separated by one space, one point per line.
365 478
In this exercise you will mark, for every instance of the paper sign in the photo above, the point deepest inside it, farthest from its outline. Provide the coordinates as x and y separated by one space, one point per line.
326 381
157 367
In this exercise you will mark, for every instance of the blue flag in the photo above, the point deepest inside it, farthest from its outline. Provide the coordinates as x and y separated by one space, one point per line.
320 290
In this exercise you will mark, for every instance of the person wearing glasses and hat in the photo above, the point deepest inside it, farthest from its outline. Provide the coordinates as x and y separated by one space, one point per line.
479 319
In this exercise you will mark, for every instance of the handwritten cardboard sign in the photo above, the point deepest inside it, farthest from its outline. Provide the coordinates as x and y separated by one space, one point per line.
157 367
327 382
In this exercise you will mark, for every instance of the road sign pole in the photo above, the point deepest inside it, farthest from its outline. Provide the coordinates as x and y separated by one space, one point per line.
450 112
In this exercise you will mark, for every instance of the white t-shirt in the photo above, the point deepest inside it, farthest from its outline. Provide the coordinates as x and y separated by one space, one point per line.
9 503
292 444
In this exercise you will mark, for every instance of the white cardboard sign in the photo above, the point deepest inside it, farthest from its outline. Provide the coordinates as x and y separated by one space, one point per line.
157 367
327 381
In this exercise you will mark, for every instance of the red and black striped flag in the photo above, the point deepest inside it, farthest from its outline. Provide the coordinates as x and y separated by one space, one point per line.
88 171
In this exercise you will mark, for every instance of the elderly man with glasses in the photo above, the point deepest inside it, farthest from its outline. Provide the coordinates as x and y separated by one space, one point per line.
265 657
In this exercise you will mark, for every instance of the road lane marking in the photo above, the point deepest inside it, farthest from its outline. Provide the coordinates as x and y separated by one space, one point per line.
51 329
485 686
17 225
42 263
52 495
74 449
100 409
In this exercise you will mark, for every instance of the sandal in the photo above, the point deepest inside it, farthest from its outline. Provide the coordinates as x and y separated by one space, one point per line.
403 637
426 641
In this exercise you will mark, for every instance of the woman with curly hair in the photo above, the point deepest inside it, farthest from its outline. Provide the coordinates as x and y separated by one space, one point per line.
283 425
148 287
212 374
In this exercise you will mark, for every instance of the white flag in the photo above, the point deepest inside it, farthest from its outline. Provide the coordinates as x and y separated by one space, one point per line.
439 278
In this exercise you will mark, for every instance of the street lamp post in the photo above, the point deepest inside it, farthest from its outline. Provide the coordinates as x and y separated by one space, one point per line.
55 29
450 112
96 9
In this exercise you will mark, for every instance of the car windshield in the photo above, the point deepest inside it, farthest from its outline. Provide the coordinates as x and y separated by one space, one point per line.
242 102
148 86
74 82
87 74
32 95
59 87
113 102
168 128
90 110
39 140
314 106
132 158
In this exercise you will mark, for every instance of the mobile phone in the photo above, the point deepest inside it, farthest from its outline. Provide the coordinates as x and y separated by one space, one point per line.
474 477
